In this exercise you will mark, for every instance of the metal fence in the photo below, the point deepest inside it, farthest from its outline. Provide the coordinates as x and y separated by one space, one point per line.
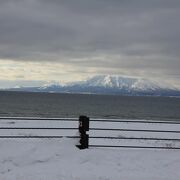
83 126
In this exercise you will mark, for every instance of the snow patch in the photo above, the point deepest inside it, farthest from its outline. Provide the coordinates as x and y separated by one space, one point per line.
59 159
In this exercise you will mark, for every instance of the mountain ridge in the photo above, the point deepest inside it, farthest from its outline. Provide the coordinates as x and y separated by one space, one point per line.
109 84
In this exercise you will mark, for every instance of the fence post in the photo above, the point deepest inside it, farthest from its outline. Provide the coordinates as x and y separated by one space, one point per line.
83 127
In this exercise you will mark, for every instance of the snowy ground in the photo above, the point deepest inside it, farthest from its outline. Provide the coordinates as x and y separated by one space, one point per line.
59 159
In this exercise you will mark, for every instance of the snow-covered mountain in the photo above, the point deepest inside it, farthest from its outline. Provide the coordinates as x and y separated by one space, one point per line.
119 82
110 84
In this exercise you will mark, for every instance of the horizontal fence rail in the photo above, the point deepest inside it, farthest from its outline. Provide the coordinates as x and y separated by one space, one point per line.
83 126
37 137
134 138
38 119
92 120
135 147
42 128
135 121
137 130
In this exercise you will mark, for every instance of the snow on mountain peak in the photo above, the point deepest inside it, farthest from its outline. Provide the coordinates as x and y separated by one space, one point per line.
50 84
120 82
115 82
110 84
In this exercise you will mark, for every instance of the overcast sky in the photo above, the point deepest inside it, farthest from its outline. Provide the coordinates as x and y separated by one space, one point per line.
66 40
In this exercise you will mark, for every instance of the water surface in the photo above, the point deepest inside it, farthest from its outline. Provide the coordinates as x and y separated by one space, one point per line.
73 105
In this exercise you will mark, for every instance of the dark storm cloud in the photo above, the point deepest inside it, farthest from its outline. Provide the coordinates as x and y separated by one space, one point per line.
139 33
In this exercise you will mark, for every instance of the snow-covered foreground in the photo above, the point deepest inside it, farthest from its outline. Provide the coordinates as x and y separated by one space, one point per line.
61 160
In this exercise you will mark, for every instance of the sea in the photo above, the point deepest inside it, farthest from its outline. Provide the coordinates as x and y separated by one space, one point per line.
27 104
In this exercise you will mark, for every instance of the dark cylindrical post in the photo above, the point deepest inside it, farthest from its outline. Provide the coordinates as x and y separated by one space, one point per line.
83 127
84 141
83 124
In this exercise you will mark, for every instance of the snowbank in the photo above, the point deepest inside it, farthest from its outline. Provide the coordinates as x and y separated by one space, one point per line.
61 160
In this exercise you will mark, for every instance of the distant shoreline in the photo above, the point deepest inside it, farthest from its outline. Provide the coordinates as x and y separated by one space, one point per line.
83 93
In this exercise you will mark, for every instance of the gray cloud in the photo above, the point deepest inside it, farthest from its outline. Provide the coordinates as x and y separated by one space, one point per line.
130 34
